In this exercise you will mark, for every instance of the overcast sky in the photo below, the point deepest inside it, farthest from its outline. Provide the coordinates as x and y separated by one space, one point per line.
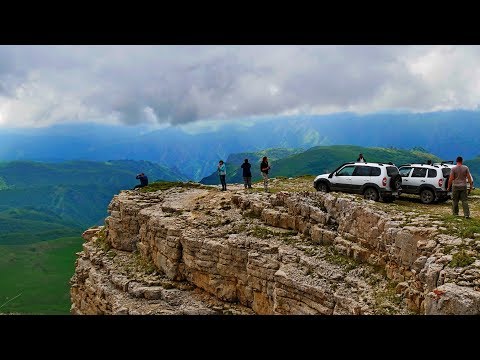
43 85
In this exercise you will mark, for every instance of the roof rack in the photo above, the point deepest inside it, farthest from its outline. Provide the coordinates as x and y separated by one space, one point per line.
379 163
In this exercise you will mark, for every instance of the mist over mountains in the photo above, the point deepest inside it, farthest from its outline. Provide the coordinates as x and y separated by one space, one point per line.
195 154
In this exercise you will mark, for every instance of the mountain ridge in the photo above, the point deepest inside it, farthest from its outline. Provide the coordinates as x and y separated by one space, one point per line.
196 153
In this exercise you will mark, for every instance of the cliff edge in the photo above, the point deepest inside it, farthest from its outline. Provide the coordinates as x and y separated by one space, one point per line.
197 250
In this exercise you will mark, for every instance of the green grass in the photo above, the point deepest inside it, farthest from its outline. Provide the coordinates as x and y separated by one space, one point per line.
334 257
265 233
461 259
144 266
40 273
101 241
386 300
261 232
251 214
165 185
461 227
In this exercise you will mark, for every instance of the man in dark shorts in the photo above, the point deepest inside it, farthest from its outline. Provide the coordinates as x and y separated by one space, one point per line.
458 178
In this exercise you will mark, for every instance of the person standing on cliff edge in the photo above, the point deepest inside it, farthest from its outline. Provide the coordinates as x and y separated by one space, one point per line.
247 174
264 167
458 178
222 173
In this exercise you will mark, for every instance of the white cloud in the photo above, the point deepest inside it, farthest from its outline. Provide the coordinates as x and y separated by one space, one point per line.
41 85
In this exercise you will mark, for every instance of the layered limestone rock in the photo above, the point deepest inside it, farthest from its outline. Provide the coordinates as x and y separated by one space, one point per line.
112 281
204 251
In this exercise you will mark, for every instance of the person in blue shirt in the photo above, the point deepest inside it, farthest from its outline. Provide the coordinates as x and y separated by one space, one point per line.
222 172
143 181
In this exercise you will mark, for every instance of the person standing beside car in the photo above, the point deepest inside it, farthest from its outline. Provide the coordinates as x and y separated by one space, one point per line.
264 167
457 183
247 174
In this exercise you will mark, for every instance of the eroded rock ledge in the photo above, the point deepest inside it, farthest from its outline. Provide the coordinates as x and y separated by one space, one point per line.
201 251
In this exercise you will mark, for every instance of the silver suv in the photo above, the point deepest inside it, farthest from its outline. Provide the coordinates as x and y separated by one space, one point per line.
376 181
429 181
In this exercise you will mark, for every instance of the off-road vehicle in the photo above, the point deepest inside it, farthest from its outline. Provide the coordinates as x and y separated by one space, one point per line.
376 181
428 181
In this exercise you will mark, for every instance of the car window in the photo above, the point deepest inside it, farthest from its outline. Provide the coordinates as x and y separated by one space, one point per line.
405 171
375 171
446 172
362 171
346 171
391 171
419 172
432 173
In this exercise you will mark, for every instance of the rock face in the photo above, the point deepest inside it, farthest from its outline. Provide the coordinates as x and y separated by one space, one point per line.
201 251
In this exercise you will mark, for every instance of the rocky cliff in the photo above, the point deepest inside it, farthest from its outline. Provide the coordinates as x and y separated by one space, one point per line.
197 250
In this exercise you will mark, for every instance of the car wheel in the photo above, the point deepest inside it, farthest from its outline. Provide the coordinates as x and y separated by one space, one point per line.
322 187
427 196
371 194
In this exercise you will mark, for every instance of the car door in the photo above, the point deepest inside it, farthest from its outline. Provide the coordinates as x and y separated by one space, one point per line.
342 180
417 178
405 172
361 176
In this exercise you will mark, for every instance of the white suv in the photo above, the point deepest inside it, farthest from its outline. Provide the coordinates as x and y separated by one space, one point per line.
430 181
376 181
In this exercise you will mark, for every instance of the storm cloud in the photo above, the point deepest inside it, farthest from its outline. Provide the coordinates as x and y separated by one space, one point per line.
43 85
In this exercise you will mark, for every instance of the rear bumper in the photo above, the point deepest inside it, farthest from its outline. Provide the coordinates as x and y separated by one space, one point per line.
443 193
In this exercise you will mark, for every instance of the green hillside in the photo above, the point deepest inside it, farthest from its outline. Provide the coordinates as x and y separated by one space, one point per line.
35 277
80 206
114 173
474 166
324 159
234 161
76 192
44 207
27 225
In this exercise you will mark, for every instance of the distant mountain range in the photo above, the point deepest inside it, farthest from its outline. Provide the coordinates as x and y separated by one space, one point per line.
195 153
